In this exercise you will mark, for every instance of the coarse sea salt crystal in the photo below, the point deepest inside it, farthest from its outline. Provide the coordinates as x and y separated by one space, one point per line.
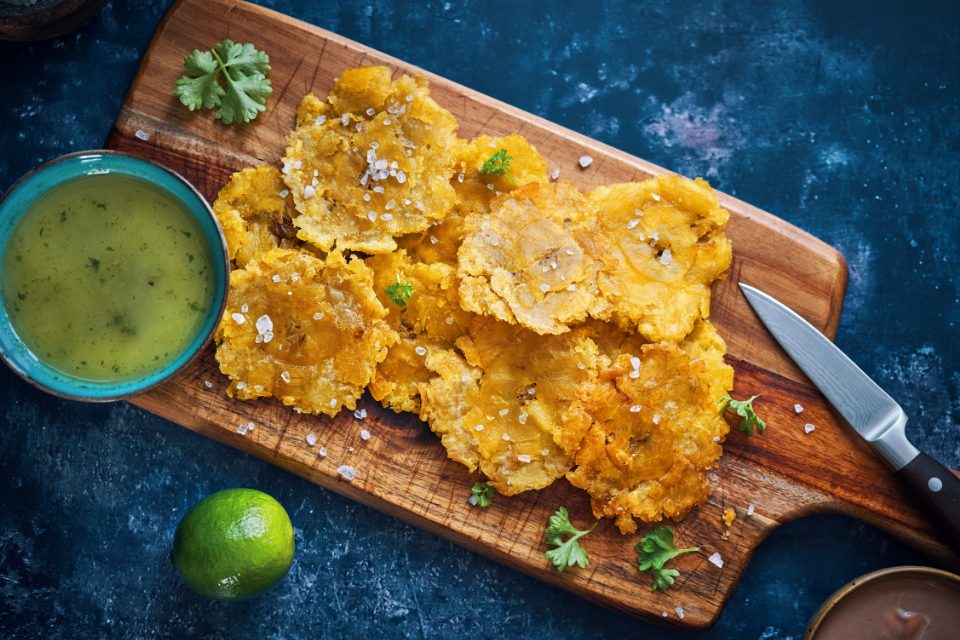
421 351
523 457
715 559
666 257
142 135
322 452
585 161
434 240
387 216
479 427
544 287
347 472
320 120
241 385
798 408
635 362
555 174
655 196
633 223
750 510
679 612
656 418
360 414
238 318
311 439
276 278
208 384
506 437
244 308
522 418
318 315
285 376
807 428
503 412
333 402
264 325
242 429
635 408
372 215
364 434
309 192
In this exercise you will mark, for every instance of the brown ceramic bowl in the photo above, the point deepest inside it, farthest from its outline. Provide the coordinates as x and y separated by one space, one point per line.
23 22
836 601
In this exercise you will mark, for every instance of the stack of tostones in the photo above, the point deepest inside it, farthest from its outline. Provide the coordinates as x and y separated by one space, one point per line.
540 331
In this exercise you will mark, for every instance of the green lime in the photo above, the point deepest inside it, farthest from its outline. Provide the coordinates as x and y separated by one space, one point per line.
233 544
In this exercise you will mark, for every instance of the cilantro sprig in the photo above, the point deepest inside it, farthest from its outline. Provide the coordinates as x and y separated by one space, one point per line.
655 549
750 422
481 494
399 292
568 552
244 70
498 164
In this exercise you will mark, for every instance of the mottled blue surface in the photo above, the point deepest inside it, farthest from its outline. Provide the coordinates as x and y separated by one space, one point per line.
843 121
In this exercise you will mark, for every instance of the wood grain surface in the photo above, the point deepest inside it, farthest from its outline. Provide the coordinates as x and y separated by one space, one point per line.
402 469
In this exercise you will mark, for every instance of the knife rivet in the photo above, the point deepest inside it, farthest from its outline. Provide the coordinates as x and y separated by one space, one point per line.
934 484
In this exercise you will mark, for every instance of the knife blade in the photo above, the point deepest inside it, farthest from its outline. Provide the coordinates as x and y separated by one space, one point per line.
872 413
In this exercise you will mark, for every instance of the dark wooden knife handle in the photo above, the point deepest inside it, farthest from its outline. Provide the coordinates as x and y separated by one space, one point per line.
939 490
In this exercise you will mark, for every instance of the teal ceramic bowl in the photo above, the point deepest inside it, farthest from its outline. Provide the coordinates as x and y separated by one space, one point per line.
20 198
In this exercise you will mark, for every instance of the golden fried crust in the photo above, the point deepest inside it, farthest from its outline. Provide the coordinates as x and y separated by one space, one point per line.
704 345
432 319
309 332
376 165
534 259
475 190
656 431
312 110
666 236
507 400
255 212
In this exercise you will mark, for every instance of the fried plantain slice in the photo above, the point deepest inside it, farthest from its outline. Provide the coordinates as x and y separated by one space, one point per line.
255 211
430 319
307 331
667 240
376 164
503 404
534 259
656 430
475 190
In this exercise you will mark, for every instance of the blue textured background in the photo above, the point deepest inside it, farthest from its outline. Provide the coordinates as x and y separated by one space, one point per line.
843 120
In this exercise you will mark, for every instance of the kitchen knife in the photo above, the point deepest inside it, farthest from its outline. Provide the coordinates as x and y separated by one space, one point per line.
874 415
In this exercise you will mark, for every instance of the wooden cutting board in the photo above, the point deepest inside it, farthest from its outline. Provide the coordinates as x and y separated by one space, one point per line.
402 469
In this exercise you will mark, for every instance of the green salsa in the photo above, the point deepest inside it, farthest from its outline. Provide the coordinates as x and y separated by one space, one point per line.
107 278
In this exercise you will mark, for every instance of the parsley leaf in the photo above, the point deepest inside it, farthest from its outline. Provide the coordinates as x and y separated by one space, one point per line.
750 421
481 494
498 164
399 292
568 552
244 70
656 548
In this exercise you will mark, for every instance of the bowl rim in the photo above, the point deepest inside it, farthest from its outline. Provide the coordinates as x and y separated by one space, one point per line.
201 345
907 569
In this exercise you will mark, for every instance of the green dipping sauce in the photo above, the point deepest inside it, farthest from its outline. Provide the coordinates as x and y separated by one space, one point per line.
107 278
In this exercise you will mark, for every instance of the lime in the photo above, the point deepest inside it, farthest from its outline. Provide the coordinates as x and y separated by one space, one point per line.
233 544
